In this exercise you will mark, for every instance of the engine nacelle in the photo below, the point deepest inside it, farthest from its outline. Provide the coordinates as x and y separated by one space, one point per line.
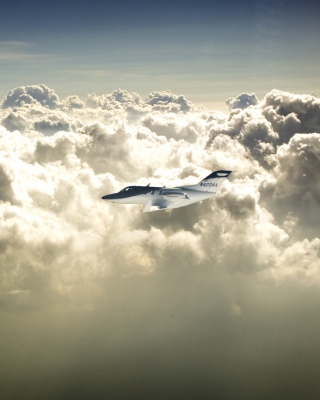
173 195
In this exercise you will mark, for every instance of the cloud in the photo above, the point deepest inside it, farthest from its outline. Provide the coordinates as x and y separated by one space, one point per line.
14 122
242 101
165 294
305 107
296 188
172 125
73 102
59 159
114 100
163 144
31 95
169 102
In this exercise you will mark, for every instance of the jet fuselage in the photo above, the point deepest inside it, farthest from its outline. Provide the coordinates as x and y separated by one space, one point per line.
160 198
143 194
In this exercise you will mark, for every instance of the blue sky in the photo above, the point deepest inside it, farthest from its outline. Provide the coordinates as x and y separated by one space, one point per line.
206 50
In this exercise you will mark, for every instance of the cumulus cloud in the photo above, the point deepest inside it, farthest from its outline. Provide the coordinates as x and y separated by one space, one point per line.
115 100
166 101
73 102
63 249
242 101
305 107
14 122
49 126
31 95
173 126
59 158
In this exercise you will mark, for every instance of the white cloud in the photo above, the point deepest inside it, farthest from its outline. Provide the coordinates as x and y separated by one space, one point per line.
14 122
31 95
114 100
305 107
73 102
242 101
60 157
166 101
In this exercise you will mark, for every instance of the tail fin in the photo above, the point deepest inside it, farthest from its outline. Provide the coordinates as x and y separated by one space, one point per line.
212 182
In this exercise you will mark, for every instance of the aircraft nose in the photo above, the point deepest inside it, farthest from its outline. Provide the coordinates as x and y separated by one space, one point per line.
107 197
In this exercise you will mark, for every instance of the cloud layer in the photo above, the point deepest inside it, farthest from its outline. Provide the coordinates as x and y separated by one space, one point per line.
59 241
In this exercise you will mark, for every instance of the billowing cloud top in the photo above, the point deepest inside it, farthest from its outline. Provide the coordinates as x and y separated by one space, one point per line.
244 100
40 94
60 157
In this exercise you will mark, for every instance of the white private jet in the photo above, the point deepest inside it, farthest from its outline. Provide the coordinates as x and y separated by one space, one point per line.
162 198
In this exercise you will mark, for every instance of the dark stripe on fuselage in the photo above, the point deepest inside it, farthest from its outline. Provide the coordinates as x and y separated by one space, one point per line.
130 191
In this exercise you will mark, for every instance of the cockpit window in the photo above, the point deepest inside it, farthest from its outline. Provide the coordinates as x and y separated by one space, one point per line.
126 189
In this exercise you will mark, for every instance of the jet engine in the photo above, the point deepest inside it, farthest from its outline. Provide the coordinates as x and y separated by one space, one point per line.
173 195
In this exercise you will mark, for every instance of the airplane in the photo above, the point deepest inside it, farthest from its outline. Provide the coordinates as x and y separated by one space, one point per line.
162 198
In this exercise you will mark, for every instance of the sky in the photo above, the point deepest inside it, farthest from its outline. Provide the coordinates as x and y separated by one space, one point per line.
206 50
216 300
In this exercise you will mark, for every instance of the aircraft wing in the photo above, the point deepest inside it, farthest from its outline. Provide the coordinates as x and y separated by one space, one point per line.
155 205
164 204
